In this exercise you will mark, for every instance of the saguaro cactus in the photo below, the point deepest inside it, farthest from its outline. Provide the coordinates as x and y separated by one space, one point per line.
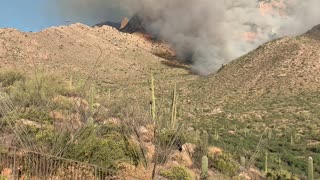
310 168
91 97
266 163
243 161
153 99
70 82
270 134
279 161
216 135
174 108
204 142
204 167
91 102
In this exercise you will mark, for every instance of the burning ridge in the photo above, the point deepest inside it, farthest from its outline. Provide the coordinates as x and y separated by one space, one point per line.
314 33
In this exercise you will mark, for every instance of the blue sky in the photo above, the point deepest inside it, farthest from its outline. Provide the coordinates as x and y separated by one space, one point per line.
32 15
35 15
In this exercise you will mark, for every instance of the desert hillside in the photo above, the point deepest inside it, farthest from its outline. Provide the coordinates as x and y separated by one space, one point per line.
114 56
265 101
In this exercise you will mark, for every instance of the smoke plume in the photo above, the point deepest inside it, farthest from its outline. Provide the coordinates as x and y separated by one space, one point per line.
209 33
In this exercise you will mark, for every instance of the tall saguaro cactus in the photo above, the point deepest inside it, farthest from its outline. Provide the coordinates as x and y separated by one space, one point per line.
91 97
243 161
91 102
266 163
153 99
204 143
174 108
279 161
204 167
70 82
216 135
310 168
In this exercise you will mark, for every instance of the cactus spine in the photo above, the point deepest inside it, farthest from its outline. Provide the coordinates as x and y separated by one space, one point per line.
310 168
204 167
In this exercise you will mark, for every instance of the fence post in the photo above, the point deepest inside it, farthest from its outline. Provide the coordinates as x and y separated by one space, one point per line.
95 172
14 163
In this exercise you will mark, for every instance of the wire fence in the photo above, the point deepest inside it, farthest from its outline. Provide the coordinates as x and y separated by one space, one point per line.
18 164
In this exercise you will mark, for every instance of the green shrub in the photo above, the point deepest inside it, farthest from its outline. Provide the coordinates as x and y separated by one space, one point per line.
192 136
107 151
36 97
35 114
280 174
177 173
36 90
170 138
8 78
224 163
45 139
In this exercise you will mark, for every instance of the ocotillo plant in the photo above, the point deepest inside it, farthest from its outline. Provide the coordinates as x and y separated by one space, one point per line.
174 108
153 99
204 167
310 168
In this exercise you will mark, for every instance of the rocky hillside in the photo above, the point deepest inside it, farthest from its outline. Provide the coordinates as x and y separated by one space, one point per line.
114 57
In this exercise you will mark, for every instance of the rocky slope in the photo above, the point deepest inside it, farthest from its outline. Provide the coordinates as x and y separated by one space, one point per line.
113 56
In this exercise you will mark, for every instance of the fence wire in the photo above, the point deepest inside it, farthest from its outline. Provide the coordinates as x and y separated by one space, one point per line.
19 164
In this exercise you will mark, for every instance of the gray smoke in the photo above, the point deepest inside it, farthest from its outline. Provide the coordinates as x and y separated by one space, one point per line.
91 11
209 32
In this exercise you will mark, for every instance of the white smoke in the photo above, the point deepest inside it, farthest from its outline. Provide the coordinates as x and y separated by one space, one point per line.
213 32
